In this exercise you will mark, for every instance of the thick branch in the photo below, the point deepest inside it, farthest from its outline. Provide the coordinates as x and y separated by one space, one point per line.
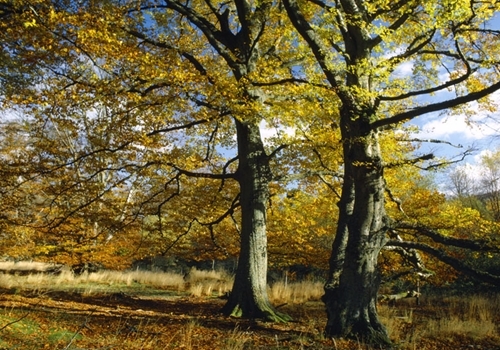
319 50
306 174
449 260
201 175
222 42
412 161
476 245
434 107
276 150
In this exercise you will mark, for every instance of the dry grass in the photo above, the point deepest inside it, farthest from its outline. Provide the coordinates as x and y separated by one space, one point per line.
208 283
454 324
472 317
197 284
397 321
236 340
24 266
186 334
156 279
471 320
97 280
295 292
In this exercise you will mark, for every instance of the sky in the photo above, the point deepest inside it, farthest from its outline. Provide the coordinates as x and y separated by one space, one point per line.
480 130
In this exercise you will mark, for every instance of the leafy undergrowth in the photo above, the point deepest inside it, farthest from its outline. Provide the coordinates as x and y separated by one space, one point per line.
153 318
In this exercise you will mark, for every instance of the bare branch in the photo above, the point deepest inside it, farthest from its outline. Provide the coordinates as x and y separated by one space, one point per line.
183 126
234 204
430 141
412 161
444 163
178 238
161 44
329 185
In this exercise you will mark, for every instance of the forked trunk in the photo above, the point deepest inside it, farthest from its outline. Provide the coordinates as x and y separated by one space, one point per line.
249 296
351 291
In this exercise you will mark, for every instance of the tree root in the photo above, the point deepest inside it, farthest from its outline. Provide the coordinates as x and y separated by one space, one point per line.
267 315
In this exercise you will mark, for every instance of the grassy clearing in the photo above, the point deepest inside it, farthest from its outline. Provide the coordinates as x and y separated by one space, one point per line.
93 315
93 282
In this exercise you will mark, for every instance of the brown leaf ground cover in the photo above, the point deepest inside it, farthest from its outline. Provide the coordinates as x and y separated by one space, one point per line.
118 320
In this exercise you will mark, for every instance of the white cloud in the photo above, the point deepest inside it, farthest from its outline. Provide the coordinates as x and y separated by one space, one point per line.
404 69
473 170
483 153
267 131
480 126
459 127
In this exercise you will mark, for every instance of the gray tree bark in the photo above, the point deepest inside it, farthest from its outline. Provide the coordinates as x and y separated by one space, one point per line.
249 296
351 291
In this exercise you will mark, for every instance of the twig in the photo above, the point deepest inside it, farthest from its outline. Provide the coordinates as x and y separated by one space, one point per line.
20 318
82 326
15 321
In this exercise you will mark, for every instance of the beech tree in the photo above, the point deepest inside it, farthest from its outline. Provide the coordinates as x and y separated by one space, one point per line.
193 74
236 34
359 45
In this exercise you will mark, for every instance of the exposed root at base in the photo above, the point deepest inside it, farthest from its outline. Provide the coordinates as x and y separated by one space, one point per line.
266 316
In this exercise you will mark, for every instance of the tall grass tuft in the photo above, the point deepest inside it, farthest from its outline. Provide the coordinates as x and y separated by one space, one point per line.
295 292
207 283
396 320
187 333
237 340
156 279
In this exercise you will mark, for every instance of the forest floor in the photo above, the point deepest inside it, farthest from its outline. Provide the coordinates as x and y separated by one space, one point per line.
131 317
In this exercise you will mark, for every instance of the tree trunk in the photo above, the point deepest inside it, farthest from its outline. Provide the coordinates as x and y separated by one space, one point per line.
249 296
351 292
